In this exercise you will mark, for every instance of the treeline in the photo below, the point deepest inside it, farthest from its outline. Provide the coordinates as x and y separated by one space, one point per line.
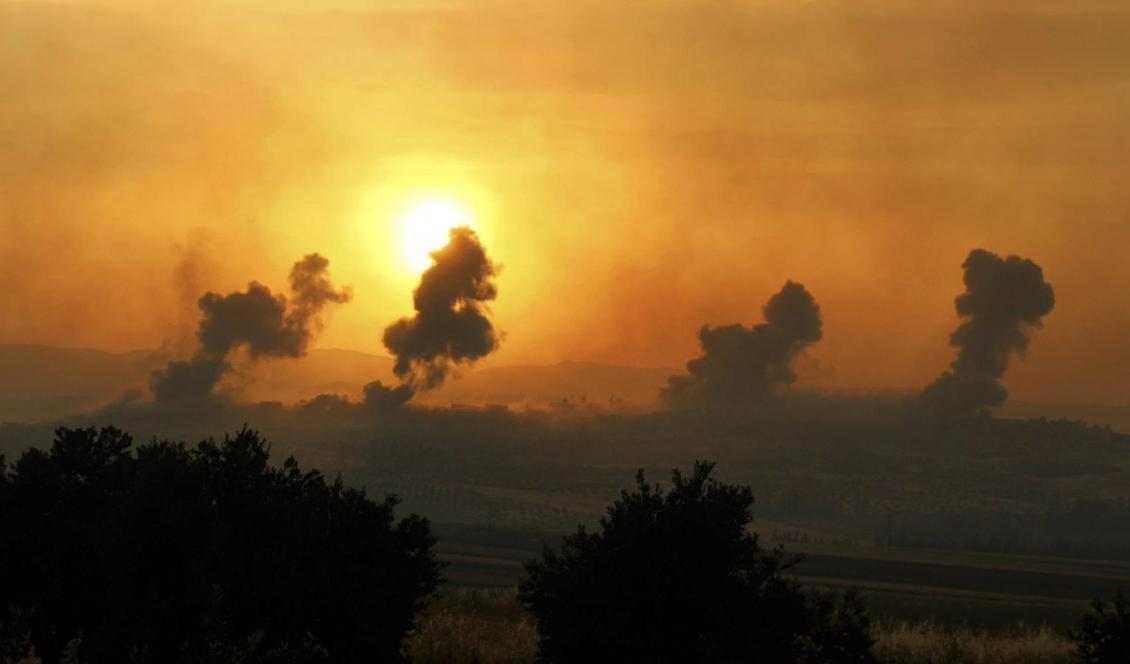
466 505
1077 527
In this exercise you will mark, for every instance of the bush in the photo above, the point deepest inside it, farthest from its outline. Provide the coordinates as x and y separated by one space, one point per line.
171 554
1103 636
936 643
474 626
676 577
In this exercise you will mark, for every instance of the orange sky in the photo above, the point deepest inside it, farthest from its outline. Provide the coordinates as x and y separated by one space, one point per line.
638 171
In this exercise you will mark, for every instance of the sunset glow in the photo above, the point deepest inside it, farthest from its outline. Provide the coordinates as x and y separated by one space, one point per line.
674 172
424 226
269 264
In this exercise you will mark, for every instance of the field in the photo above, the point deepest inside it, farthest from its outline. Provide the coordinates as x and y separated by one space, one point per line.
953 588
488 626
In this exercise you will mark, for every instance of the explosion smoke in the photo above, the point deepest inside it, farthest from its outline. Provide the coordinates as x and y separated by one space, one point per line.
378 396
450 326
1003 302
267 324
739 364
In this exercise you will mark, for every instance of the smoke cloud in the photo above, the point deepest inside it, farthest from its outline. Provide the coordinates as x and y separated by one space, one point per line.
450 325
268 325
1003 302
378 396
743 364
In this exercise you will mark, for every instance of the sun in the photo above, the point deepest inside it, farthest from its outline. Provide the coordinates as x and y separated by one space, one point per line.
424 226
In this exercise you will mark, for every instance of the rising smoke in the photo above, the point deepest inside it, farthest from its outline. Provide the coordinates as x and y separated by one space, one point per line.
450 326
1003 302
378 396
740 364
268 325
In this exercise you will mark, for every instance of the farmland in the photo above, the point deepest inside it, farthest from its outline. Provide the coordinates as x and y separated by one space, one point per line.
949 587
488 626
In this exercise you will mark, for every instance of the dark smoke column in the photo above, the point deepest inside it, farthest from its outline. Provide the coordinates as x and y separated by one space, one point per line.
268 325
1003 302
450 325
740 365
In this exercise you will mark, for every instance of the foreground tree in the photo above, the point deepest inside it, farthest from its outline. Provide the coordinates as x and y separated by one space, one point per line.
1103 635
676 577
171 554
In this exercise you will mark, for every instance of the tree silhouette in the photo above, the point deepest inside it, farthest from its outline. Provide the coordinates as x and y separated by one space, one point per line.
1103 635
676 577
172 554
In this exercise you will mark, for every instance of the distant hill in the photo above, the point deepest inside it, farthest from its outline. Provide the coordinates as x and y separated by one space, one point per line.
43 382
323 371
567 385
1117 417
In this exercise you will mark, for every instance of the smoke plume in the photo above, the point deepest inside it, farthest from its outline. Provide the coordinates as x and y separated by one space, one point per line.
744 364
1003 302
378 396
450 325
268 325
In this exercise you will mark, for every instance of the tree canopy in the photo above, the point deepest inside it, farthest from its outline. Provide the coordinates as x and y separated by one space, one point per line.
167 553
676 576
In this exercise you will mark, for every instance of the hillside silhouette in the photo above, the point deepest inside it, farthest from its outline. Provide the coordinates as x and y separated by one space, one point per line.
43 383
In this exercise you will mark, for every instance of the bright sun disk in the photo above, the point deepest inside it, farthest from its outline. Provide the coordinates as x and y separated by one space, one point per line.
424 228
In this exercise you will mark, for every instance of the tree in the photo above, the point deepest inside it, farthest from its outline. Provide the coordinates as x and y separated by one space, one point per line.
1103 636
172 554
676 577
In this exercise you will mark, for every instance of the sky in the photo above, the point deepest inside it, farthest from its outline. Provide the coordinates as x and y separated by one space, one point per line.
638 169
